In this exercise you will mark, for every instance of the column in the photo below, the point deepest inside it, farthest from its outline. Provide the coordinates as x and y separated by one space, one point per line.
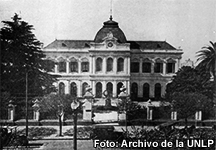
114 89
128 65
125 65
36 112
67 67
115 65
93 88
151 88
11 111
140 90
164 68
79 89
79 66
179 64
103 87
67 87
152 67
93 65
163 89
140 65
173 115
128 87
198 115
104 65
176 65
56 68
149 113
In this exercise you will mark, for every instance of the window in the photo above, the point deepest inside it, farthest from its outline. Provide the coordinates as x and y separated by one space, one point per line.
135 67
84 85
99 64
120 64
109 88
73 67
50 65
61 88
98 90
73 89
157 91
109 64
119 86
146 91
85 66
62 66
158 68
134 91
170 67
146 67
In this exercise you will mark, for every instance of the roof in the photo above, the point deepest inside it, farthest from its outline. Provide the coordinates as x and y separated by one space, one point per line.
79 44
69 44
150 45
110 26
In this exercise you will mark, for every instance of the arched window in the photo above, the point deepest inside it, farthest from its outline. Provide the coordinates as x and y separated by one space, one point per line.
62 66
119 86
157 91
73 89
99 63
109 64
146 90
134 91
120 64
98 90
109 88
84 85
61 88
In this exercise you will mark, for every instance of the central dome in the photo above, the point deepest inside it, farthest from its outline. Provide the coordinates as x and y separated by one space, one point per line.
110 26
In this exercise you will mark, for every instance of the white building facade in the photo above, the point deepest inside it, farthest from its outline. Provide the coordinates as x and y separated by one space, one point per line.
110 61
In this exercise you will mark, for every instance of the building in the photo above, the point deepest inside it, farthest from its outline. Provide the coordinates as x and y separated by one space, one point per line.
189 63
110 61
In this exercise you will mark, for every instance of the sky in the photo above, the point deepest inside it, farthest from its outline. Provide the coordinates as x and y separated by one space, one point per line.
185 24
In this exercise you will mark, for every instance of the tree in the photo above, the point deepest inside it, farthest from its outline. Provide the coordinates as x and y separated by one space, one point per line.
21 55
186 104
50 102
207 58
189 80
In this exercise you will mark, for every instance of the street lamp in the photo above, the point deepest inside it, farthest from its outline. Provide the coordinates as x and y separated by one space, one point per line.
60 114
123 96
74 106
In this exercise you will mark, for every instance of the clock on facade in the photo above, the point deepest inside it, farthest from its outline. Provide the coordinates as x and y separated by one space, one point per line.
110 44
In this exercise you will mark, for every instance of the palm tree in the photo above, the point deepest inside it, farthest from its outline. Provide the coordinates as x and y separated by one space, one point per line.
207 58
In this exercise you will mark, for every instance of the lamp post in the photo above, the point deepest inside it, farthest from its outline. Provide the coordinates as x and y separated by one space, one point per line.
26 98
123 96
60 114
74 106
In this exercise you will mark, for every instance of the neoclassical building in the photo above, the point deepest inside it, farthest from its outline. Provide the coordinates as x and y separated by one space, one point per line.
110 61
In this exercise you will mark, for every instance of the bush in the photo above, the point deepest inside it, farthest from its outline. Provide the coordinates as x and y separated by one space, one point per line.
38 132
82 132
